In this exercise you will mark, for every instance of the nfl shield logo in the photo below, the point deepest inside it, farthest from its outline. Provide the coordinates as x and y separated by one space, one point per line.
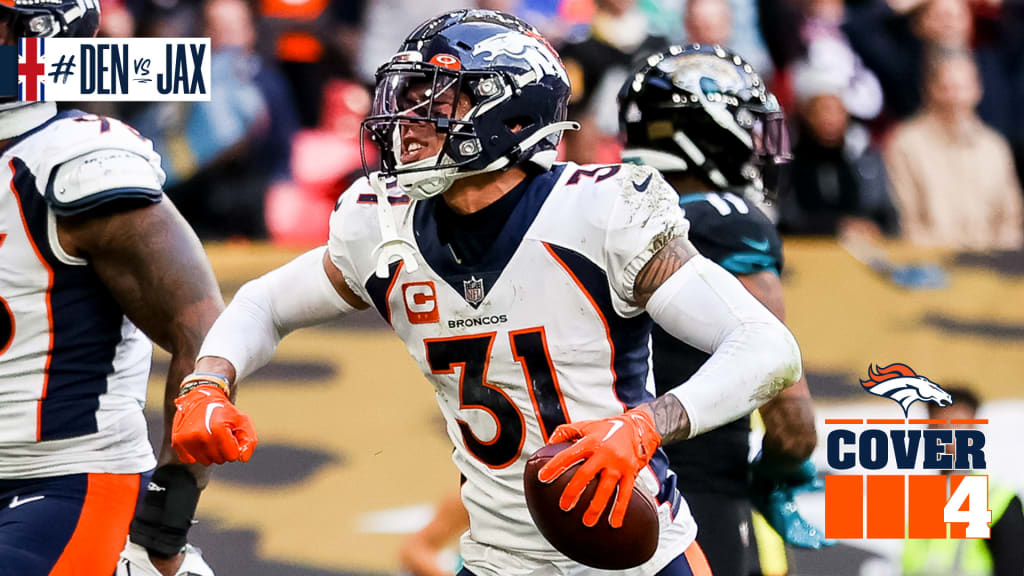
474 290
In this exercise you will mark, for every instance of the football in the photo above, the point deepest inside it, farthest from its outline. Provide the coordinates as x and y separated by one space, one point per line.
602 546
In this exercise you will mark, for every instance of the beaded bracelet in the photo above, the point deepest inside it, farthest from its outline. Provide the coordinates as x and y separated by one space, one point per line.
198 379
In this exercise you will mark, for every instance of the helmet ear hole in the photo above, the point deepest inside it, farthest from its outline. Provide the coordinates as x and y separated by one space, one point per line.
518 123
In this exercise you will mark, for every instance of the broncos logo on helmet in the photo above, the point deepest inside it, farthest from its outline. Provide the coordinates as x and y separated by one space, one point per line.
899 383
514 86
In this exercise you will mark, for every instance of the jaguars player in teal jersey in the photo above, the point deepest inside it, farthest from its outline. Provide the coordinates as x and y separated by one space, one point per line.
703 117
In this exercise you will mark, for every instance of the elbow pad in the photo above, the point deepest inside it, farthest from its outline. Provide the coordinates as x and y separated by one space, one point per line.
266 309
753 355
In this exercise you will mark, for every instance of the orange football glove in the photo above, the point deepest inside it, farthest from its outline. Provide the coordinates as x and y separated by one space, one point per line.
617 448
209 429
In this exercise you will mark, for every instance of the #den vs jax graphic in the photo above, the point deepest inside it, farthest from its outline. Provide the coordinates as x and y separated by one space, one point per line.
91 69
863 501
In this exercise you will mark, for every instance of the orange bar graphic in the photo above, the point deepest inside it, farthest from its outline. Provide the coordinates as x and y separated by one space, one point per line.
927 421
969 422
844 506
886 421
886 498
843 421
927 498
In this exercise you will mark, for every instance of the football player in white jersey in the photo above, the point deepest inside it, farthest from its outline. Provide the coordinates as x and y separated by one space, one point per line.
525 290
93 260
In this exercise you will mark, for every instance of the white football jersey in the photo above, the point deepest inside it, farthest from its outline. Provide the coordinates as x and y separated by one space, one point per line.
73 368
539 333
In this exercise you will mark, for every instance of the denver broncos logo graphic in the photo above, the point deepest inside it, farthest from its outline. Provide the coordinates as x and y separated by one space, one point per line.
899 383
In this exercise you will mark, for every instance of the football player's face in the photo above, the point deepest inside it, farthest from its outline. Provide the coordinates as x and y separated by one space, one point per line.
420 139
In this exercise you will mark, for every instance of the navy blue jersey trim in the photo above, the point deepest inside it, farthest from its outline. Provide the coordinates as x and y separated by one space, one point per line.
668 488
86 326
56 515
379 290
489 269
629 335
92 201
393 200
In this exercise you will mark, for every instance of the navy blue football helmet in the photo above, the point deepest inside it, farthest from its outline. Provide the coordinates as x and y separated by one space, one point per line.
486 81
705 112
51 18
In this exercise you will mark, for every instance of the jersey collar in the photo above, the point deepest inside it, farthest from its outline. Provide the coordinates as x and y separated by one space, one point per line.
483 274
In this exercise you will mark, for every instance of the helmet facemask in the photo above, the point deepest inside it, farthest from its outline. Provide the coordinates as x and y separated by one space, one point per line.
421 107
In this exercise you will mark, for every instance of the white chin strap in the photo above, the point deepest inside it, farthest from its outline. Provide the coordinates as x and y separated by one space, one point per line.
424 184
428 183
16 118
392 247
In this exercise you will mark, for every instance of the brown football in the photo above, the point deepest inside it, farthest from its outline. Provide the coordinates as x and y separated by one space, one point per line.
602 546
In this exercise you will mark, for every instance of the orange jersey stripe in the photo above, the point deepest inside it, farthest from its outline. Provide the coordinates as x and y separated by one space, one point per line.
698 563
102 526
49 307
391 286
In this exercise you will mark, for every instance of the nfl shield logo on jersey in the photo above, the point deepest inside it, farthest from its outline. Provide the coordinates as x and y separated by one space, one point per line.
474 290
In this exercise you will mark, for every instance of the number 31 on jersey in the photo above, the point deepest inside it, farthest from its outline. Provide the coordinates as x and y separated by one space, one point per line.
472 355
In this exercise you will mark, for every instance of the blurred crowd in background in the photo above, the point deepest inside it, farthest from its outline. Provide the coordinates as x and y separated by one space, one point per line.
905 114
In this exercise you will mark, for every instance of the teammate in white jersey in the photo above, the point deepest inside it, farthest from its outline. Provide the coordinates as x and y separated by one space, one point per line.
92 261
524 289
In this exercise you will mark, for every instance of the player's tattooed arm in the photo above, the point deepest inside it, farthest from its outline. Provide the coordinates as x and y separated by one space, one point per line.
790 436
153 264
670 418
660 267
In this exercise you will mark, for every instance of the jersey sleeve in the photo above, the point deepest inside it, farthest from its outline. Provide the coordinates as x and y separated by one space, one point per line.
344 230
91 161
645 217
734 234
